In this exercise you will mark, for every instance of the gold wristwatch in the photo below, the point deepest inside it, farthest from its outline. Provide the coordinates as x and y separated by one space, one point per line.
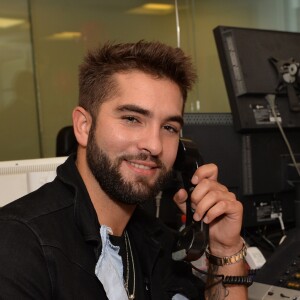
227 260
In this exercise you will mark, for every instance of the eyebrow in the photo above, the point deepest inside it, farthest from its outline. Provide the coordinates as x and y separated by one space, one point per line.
134 108
147 113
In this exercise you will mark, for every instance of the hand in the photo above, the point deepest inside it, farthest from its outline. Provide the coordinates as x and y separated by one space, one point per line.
218 207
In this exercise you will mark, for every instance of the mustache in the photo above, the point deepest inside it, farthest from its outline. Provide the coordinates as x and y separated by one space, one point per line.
143 157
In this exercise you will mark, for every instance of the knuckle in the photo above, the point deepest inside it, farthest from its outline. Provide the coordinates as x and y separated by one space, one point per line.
232 195
205 181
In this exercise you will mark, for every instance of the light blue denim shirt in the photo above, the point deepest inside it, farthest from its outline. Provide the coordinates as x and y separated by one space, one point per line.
109 269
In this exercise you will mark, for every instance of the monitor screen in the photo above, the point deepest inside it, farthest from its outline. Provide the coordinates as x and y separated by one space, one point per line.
19 177
257 63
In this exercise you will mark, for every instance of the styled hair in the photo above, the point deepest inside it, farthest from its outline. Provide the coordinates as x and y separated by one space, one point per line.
96 80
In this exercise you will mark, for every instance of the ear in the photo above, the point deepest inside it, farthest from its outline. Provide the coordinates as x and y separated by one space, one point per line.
82 122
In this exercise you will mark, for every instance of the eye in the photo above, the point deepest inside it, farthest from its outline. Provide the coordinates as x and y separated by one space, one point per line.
171 129
130 119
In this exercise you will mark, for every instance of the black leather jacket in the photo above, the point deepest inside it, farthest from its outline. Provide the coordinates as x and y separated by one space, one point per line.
50 243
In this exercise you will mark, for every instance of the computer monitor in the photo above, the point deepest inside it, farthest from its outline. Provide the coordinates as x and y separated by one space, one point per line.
19 177
256 166
257 63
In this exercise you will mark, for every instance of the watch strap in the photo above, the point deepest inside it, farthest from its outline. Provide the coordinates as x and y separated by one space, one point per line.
227 260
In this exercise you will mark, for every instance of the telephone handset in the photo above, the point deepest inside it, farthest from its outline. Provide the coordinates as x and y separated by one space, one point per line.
193 239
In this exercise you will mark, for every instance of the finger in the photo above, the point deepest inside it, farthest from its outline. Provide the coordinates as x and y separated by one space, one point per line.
206 203
209 171
204 187
232 209
180 199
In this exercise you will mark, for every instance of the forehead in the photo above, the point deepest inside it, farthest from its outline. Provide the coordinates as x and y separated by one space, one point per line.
148 89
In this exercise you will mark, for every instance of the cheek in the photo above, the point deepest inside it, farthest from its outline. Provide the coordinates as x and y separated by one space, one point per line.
112 141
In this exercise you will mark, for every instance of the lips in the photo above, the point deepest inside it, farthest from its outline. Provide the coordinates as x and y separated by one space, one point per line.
143 167
140 166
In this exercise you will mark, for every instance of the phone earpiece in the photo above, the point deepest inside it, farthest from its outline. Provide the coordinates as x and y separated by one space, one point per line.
192 240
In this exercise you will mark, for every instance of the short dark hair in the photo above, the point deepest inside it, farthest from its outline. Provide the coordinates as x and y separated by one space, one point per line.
96 81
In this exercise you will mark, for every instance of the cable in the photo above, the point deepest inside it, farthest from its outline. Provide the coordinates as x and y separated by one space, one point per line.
226 279
271 100
157 203
282 228
278 216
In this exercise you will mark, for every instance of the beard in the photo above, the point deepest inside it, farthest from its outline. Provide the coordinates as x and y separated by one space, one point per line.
108 175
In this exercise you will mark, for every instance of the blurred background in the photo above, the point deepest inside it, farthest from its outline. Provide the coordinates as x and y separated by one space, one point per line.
42 42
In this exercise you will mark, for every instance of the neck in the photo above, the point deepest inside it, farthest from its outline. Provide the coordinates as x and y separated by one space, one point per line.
112 214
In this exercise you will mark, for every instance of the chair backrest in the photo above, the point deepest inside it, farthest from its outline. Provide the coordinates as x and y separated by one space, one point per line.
66 142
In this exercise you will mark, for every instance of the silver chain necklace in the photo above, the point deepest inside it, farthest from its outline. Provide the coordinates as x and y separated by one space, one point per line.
128 246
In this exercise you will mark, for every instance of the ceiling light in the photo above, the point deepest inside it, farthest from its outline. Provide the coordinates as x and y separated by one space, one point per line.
9 22
152 9
65 35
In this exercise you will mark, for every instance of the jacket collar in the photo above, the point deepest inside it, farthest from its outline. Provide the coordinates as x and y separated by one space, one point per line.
146 232
84 212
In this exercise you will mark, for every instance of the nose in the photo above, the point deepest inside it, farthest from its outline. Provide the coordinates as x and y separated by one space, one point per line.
151 141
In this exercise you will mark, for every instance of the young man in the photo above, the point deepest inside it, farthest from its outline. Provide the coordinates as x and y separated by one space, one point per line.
84 236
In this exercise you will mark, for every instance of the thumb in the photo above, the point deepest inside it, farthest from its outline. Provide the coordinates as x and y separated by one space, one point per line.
180 198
